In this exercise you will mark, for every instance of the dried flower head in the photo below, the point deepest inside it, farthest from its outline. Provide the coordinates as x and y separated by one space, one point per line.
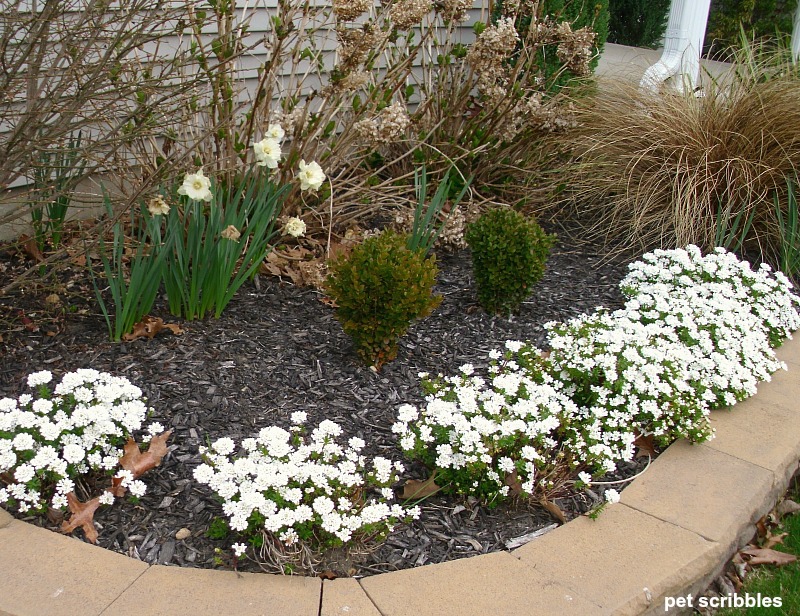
406 14
488 54
157 206
348 10
388 126
355 45
231 233
295 227
454 10
575 49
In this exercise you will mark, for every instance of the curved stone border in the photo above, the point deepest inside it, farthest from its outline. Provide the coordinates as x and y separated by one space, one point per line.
675 527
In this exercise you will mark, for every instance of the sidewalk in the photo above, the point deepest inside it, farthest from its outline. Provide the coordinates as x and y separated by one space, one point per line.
673 530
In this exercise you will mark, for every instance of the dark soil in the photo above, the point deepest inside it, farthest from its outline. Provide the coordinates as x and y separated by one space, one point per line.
279 349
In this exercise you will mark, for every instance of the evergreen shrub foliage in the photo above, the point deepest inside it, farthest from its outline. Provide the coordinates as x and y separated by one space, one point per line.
508 256
638 23
757 19
380 288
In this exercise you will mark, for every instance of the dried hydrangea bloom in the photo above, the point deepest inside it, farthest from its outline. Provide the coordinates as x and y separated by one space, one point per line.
388 126
290 120
454 10
486 56
406 14
348 10
355 45
354 81
575 49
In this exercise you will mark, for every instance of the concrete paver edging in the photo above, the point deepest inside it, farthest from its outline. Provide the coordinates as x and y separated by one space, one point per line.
675 527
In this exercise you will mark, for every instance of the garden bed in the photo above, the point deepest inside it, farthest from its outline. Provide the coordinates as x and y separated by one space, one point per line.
278 349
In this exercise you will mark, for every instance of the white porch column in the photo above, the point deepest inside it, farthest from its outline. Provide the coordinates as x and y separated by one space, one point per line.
796 33
683 42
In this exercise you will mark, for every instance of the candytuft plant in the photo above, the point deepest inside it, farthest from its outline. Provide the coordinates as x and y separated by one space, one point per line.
380 288
508 256
303 492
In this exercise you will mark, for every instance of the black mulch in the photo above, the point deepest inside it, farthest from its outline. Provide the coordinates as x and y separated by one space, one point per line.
279 349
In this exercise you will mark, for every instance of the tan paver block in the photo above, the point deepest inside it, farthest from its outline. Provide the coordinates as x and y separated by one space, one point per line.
783 390
495 584
768 436
705 491
42 572
5 518
789 351
640 550
346 597
176 591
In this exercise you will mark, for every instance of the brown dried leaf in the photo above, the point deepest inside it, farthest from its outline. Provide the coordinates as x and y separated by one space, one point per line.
327 575
82 517
513 482
644 446
139 462
766 556
787 507
761 527
773 540
149 326
416 489
554 510
30 248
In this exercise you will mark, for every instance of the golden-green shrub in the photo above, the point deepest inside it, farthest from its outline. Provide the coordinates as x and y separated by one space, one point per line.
380 288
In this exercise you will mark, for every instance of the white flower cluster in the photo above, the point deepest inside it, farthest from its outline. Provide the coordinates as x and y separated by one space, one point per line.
302 489
268 150
696 333
196 186
477 432
624 375
768 295
48 440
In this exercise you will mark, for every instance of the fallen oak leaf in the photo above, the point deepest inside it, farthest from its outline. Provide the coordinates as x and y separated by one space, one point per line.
139 462
82 516
766 556
416 489
645 446
31 248
150 326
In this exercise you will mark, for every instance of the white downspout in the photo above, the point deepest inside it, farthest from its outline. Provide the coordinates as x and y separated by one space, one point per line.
683 41
796 33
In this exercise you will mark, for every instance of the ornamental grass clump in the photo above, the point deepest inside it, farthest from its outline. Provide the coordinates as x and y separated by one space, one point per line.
671 170
492 436
292 491
509 252
50 439
379 290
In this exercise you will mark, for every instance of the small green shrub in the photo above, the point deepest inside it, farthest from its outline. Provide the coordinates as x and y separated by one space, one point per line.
380 288
508 256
